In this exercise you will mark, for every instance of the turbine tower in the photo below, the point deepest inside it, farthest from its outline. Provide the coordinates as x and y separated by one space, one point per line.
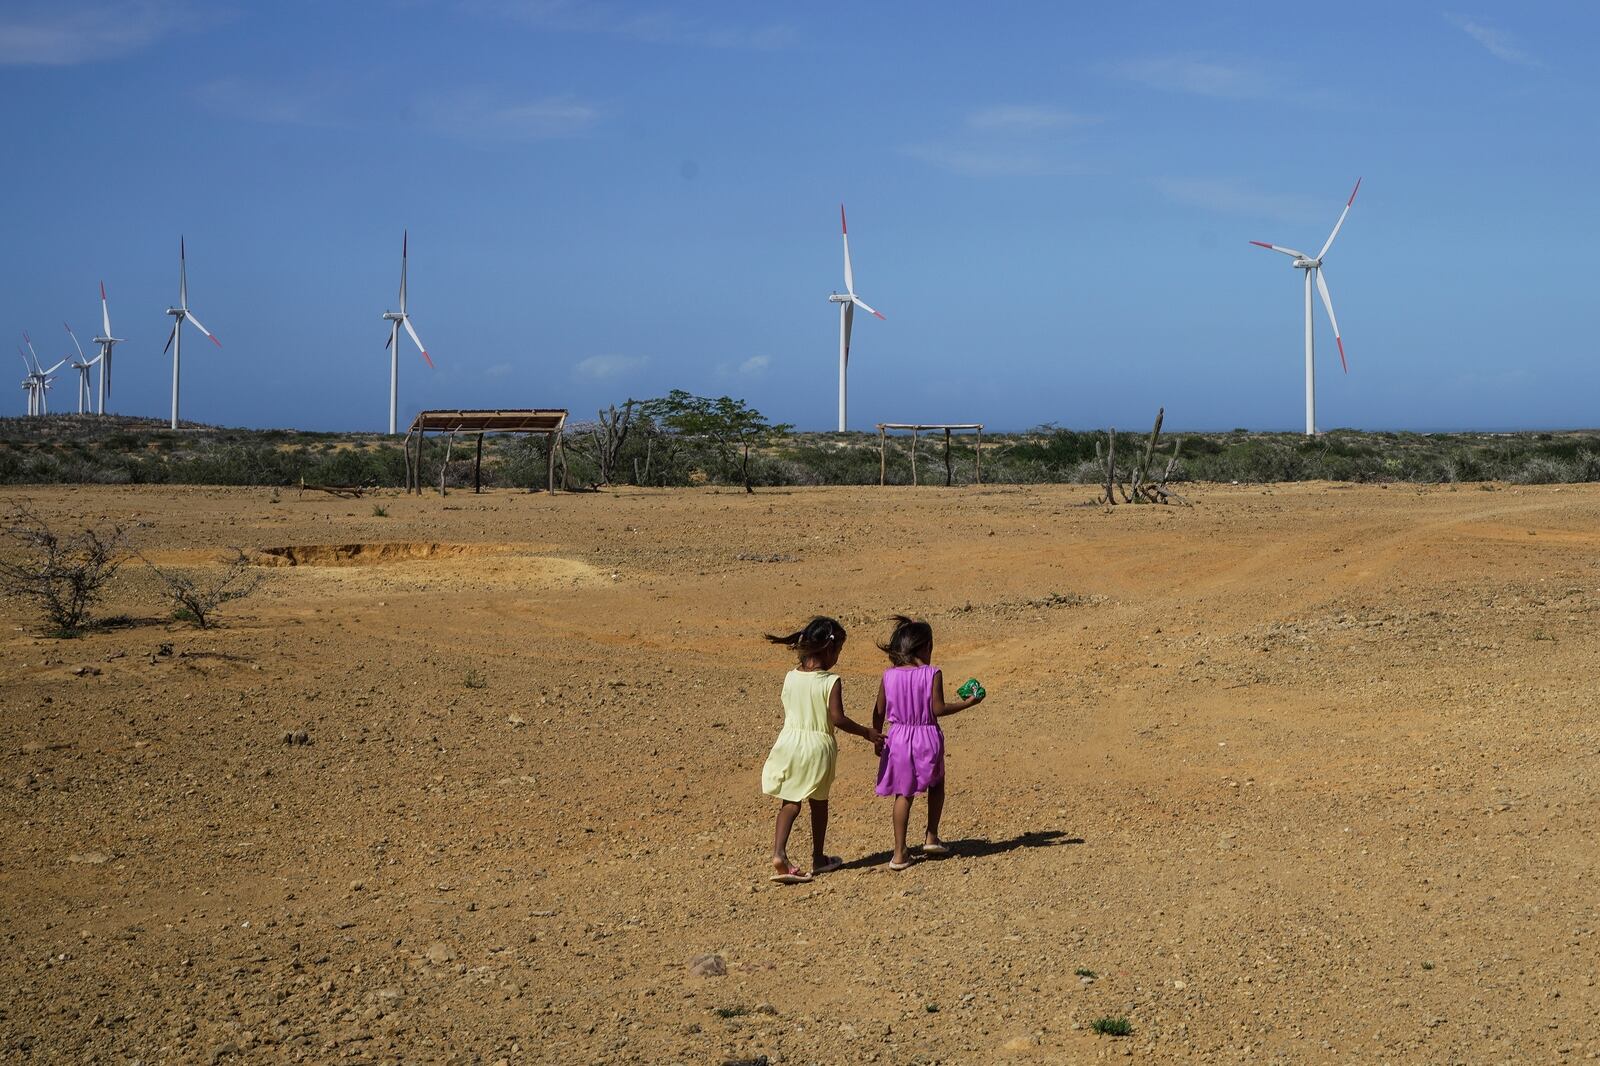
396 319
83 366
106 342
41 381
30 383
848 301
1312 265
179 314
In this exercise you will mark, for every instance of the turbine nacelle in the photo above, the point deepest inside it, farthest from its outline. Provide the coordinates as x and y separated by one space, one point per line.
394 316
839 298
1307 264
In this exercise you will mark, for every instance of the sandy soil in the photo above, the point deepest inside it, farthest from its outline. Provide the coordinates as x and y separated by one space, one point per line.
1301 774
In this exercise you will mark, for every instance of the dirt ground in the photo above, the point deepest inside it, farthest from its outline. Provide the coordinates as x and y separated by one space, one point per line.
1302 773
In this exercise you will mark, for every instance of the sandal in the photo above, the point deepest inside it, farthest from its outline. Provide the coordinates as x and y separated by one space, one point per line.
794 876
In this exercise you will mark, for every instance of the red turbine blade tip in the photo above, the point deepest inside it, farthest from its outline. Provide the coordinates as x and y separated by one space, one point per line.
880 315
425 357
1261 244
1340 342
842 227
1353 192
215 341
102 290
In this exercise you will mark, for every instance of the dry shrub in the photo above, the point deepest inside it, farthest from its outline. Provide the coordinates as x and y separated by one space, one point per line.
62 575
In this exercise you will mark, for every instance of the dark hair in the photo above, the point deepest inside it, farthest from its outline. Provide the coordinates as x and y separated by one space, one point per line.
819 634
910 641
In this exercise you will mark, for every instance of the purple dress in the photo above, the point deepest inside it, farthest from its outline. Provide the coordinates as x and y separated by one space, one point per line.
913 755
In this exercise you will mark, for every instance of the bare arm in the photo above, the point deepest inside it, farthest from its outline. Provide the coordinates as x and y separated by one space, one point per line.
880 709
940 707
841 721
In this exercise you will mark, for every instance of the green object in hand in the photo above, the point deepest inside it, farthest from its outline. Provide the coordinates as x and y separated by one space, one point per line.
970 689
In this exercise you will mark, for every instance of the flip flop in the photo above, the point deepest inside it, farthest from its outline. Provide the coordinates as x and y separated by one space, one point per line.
795 876
898 866
828 864
935 849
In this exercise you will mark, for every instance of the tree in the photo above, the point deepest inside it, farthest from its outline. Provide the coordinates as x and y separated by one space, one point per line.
63 575
730 425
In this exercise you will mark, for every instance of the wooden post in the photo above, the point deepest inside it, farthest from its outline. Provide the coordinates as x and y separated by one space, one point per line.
477 467
550 463
883 456
913 456
947 458
980 455
444 467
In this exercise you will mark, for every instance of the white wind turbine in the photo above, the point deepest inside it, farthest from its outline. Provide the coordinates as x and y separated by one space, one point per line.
397 319
83 366
179 314
30 383
1312 265
106 342
848 301
38 401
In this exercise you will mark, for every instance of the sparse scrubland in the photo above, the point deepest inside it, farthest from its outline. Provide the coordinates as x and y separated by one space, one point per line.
77 449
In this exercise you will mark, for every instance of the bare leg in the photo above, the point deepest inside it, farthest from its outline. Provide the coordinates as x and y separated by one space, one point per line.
787 812
819 832
902 818
935 812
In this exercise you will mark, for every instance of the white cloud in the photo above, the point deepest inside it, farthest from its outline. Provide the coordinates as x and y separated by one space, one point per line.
1199 77
476 114
1230 196
986 162
499 370
68 33
607 367
308 102
1023 118
1499 44
756 364
624 20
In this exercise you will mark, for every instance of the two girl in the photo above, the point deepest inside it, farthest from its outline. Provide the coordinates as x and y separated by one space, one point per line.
911 756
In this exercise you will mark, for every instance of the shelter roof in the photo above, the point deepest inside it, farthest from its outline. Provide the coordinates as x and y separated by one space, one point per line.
508 420
930 425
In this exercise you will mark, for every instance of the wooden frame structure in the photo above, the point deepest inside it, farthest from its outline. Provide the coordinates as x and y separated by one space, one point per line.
917 427
548 421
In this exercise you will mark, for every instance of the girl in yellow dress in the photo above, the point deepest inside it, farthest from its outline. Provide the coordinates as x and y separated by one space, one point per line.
801 764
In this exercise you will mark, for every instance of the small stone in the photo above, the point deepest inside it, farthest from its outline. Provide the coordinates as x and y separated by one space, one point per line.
90 858
357 886
302 737
1020 1043
707 966
764 1008
1180 985
439 953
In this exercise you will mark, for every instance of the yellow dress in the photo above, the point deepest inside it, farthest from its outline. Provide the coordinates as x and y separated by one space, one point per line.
801 764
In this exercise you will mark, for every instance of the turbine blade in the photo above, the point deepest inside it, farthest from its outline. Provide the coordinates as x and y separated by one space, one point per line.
171 335
849 319
183 275
418 340
849 275
388 340
53 369
1340 223
75 343
105 311
405 241
202 329
859 302
1327 302
1279 248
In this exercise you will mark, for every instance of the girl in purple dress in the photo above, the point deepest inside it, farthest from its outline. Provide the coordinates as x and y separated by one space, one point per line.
911 697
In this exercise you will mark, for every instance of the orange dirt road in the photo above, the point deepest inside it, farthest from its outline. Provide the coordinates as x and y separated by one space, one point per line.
1303 773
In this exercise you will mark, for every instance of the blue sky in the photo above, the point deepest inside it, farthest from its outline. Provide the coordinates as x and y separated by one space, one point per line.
1050 202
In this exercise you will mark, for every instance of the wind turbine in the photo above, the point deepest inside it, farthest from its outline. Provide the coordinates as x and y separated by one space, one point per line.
106 342
396 319
1312 265
848 301
83 366
30 383
179 313
42 380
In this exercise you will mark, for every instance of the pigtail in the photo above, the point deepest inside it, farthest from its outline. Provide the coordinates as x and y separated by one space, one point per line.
908 641
819 634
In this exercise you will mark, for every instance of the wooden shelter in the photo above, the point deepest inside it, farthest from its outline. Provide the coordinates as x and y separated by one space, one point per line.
918 427
536 420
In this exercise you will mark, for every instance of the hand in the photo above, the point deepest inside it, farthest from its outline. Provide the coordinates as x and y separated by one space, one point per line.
876 738
879 747
977 698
